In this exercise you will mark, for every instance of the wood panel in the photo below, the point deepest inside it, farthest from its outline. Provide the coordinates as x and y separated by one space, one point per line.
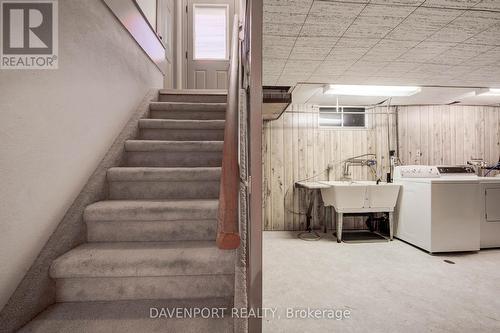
296 148
448 134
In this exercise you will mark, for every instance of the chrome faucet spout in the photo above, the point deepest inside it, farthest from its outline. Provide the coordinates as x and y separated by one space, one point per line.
361 160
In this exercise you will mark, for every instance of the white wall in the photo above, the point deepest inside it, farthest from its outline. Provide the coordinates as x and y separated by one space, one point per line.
55 127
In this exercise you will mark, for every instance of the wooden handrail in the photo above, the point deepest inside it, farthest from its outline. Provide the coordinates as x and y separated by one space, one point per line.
228 236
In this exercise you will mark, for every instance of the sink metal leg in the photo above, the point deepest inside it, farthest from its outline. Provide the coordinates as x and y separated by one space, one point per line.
340 220
391 225
310 234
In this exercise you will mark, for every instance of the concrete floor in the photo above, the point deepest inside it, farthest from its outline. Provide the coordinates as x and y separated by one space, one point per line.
388 287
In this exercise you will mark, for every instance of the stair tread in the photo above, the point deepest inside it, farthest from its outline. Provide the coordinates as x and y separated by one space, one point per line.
202 124
152 210
178 174
127 316
136 259
182 146
151 231
193 92
190 106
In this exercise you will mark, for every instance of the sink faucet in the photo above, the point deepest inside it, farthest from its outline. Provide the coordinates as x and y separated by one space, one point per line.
361 160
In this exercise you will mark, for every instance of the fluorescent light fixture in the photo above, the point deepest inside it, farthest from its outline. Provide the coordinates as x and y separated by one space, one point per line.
362 90
488 92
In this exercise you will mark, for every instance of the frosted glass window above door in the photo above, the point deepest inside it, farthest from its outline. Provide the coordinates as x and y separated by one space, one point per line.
210 32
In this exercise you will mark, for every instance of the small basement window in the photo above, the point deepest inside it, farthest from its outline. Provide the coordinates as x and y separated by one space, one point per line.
343 116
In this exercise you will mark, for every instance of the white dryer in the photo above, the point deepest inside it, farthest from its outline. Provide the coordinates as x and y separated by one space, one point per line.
438 208
489 211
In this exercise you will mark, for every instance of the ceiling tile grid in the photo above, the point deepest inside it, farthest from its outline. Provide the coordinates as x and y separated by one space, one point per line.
425 42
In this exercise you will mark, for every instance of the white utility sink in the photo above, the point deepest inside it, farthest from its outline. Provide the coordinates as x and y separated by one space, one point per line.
360 196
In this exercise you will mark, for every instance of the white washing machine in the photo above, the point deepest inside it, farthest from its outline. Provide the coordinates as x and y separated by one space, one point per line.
489 211
438 208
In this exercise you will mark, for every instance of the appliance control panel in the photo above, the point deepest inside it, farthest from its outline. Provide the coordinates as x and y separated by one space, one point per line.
428 171
455 170
416 171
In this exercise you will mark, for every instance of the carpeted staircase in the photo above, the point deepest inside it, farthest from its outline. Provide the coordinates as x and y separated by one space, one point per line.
152 243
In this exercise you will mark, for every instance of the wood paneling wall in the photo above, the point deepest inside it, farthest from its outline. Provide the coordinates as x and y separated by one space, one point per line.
296 148
448 134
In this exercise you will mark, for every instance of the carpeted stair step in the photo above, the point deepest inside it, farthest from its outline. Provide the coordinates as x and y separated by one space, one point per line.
191 111
143 270
154 221
181 130
129 317
193 95
152 153
163 183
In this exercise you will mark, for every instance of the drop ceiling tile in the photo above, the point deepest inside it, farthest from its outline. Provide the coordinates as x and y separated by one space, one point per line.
492 57
317 42
491 36
280 29
366 68
483 77
426 51
397 68
287 6
396 12
423 23
278 47
349 1
330 18
325 28
485 71
398 2
273 67
351 48
345 55
309 53
300 67
269 80
376 21
332 68
388 50
463 4
433 45
355 43
416 75
459 54
283 24
312 48
335 10
466 26
488 4
442 71
285 18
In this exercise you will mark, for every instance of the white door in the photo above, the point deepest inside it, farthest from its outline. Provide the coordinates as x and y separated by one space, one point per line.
208 34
